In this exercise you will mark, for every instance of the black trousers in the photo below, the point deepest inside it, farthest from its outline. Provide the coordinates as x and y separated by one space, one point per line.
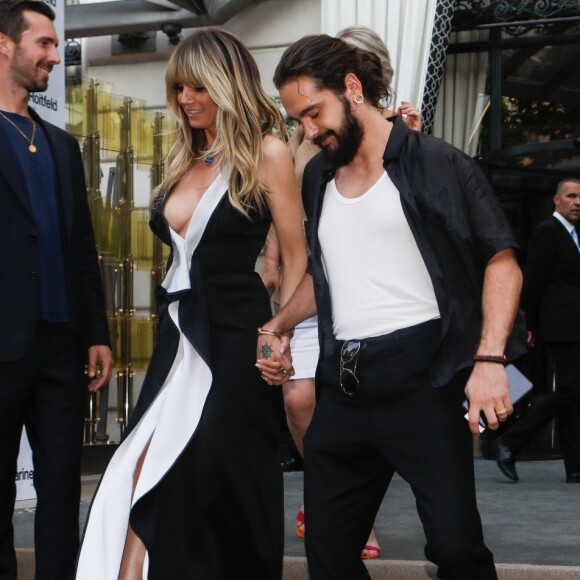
396 422
44 391
563 405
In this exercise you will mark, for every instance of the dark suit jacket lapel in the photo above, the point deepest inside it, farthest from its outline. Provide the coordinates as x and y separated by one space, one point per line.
62 161
10 170
574 243
567 239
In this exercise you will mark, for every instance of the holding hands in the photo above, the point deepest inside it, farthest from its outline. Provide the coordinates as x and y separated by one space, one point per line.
273 358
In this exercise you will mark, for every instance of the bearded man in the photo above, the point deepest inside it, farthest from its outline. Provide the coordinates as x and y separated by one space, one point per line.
52 310
414 277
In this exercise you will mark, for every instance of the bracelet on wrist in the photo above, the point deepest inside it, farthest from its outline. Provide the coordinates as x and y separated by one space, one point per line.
498 359
269 332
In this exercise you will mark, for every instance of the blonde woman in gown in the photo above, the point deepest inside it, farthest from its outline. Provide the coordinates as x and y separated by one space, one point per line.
195 489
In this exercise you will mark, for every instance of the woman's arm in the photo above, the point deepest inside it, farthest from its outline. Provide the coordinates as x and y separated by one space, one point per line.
285 205
271 270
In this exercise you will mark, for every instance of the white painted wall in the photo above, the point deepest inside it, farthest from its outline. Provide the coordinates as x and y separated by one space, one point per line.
50 104
266 28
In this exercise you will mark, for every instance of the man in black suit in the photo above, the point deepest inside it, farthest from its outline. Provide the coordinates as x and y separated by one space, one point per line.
551 300
51 304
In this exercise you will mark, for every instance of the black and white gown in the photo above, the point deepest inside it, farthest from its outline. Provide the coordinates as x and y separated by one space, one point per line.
209 501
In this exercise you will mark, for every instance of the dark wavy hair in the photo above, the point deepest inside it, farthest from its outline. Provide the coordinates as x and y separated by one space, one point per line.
12 20
327 61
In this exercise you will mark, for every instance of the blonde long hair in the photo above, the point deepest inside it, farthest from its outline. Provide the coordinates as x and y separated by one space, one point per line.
367 39
215 59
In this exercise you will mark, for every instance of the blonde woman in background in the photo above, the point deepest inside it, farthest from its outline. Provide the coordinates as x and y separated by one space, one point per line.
299 391
195 489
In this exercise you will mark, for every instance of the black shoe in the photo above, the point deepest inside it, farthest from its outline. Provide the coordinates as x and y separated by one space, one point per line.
292 463
505 460
573 477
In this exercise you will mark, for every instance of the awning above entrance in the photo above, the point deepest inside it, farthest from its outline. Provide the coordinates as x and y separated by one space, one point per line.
127 16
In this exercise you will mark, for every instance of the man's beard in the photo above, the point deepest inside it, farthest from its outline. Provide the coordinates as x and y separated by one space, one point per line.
348 138
24 73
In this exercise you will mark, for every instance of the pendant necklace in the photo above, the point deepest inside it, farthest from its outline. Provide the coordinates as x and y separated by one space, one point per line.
31 145
207 159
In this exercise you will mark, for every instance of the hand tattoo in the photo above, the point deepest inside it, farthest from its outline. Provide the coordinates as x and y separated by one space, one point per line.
267 351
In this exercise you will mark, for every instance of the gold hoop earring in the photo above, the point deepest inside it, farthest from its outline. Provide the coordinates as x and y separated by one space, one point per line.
359 99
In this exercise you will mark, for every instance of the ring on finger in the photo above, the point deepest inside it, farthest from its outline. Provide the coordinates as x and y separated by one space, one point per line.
502 414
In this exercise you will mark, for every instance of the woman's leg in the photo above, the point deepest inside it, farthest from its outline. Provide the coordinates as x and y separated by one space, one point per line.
134 550
299 403
372 548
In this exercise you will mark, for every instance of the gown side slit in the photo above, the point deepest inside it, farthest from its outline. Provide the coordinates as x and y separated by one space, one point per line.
210 474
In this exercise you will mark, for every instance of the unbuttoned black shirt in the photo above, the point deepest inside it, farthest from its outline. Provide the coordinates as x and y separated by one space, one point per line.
458 226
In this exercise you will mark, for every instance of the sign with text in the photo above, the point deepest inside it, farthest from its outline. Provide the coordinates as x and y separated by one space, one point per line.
24 471
50 104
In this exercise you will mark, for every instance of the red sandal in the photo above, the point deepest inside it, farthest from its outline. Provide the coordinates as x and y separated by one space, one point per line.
370 552
299 527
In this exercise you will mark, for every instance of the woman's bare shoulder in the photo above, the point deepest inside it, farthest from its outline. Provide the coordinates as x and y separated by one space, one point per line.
274 149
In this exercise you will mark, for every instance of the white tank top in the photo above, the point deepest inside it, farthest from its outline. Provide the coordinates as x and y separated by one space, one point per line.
378 280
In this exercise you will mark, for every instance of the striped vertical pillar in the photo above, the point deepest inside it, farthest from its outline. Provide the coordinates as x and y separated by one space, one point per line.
436 64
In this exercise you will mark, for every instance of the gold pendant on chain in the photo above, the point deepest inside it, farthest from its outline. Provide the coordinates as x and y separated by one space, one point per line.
32 148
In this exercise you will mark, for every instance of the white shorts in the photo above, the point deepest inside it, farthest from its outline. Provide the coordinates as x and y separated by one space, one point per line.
305 349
